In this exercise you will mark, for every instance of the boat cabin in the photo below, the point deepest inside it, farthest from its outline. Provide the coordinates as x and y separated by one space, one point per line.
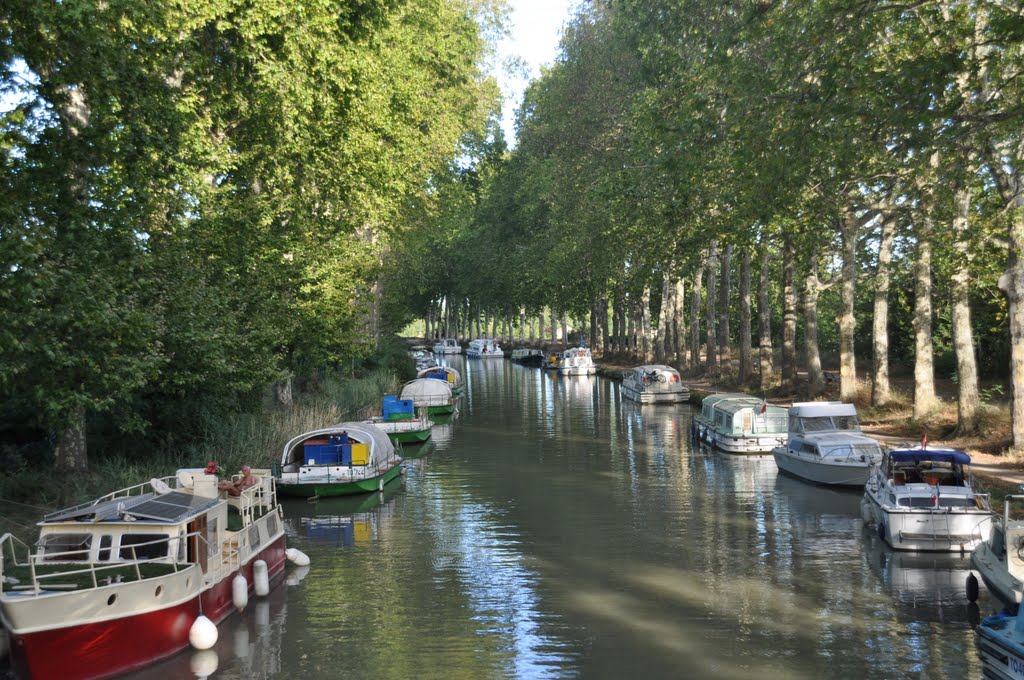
929 478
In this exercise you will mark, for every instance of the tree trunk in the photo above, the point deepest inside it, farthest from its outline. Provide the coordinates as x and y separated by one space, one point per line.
847 320
602 337
968 399
812 289
565 329
679 323
881 389
924 364
644 319
554 326
663 340
283 392
789 303
695 294
725 293
72 452
746 349
764 315
711 360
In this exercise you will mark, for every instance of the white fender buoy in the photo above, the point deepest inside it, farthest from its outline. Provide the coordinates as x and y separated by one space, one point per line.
239 591
260 578
297 557
204 664
203 633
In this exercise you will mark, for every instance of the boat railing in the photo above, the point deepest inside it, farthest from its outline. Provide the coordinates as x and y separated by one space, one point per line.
136 490
97 571
261 496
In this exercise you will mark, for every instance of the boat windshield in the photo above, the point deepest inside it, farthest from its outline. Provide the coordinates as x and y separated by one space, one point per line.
829 424
943 502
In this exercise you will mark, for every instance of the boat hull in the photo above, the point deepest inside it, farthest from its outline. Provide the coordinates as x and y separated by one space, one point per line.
649 396
111 647
577 370
342 488
751 445
936 531
830 474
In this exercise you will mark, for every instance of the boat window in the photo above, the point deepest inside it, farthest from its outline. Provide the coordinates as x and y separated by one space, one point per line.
66 547
956 502
105 542
817 424
808 448
143 546
211 532
272 524
846 423
254 536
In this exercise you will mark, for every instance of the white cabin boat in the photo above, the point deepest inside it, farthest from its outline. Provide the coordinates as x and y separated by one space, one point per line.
654 384
342 459
1000 559
923 499
577 361
427 393
484 348
447 346
118 583
825 445
740 423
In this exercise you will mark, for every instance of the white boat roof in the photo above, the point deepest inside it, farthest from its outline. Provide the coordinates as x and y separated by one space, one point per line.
425 387
364 433
822 408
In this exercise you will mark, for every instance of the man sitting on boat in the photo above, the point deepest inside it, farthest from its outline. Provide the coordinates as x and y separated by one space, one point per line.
236 488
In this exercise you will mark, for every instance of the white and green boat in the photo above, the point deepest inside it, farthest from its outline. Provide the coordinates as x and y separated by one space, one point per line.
445 374
741 423
347 458
427 393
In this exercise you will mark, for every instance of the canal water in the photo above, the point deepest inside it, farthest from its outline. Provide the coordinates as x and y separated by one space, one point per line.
552 530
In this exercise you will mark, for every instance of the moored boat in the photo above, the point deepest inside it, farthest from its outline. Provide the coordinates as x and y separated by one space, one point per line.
923 499
339 460
825 445
399 420
447 346
114 585
1000 559
445 374
435 396
654 384
484 348
528 356
1000 642
577 361
740 423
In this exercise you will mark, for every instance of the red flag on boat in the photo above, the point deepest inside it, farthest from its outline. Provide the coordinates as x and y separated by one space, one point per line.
764 407
924 441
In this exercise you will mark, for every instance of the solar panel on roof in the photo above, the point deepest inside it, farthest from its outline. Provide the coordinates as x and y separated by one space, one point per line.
170 507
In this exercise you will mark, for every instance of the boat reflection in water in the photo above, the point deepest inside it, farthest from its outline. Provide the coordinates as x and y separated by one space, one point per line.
248 644
342 521
925 586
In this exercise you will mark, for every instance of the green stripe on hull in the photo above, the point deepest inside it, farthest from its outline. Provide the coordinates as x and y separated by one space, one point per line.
440 410
368 485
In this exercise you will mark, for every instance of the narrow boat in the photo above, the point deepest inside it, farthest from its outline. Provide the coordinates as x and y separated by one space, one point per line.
923 499
433 395
527 356
1000 642
825 445
740 423
1000 559
398 419
121 582
484 348
447 346
654 384
577 361
445 374
343 459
